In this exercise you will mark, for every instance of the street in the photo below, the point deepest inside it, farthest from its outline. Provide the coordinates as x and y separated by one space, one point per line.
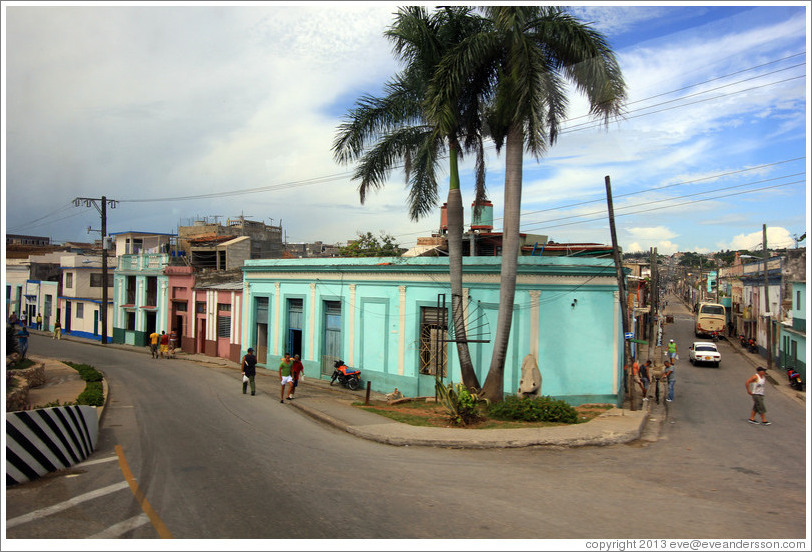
214 463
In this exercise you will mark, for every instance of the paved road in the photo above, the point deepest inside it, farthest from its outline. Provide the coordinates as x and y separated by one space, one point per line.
209 462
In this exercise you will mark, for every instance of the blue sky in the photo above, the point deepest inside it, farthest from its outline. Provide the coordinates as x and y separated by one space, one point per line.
189 111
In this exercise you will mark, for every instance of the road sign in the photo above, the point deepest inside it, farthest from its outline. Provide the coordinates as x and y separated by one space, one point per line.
629 335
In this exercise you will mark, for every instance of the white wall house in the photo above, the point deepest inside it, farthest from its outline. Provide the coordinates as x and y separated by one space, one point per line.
81 301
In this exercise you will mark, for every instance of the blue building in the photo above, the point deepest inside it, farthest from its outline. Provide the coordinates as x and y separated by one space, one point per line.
386 317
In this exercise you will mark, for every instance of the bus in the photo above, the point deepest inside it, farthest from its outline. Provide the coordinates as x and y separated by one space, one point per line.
710 318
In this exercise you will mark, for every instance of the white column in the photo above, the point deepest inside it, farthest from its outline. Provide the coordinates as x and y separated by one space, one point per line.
351 355
235 313
211 314
311 327
615 346
275 330
402 330
535 309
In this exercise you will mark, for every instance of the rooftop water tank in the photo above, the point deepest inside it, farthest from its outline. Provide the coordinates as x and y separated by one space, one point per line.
482 222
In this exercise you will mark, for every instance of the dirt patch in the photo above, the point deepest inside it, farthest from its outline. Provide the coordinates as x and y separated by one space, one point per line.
424 413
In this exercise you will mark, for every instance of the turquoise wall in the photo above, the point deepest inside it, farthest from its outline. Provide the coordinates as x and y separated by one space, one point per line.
578 329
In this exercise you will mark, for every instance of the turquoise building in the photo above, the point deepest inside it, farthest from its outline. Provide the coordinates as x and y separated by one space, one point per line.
386 316
793 333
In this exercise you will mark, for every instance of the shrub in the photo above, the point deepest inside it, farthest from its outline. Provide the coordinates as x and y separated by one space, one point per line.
460 404
93 395
87 373
539 409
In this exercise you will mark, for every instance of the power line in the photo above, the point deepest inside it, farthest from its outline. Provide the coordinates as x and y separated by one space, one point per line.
675 197
581 126
681 204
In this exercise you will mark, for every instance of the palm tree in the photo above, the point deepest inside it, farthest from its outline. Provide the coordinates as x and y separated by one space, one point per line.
530 53
400 133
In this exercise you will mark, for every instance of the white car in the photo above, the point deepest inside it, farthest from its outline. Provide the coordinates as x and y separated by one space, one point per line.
704 351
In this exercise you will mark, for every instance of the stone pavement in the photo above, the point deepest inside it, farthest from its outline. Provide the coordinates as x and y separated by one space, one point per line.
332 405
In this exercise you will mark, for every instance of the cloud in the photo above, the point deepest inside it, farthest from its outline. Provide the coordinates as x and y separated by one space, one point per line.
777 237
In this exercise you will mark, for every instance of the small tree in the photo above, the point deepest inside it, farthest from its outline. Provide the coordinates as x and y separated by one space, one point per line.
368 245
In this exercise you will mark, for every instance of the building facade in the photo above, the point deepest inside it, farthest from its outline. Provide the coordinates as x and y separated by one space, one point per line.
792 353
80 302
386 316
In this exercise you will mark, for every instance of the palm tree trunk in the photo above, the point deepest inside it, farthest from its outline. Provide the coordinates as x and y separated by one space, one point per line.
493 389
455 226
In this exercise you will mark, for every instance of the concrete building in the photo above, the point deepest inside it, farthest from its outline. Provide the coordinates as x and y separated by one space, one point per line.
80 300
140 287
265 241
385 315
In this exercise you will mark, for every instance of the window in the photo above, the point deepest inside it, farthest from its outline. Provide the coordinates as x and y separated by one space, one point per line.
131 285
180 306
200 307
433 333
69 280
223 326
224 307
80 310
96 280
797 300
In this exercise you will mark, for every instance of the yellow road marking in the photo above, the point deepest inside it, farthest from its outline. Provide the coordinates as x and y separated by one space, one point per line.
163 531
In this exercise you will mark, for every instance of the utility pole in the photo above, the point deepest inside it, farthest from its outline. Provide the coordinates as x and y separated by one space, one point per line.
622 291
767 318
652 342
101 206
717 280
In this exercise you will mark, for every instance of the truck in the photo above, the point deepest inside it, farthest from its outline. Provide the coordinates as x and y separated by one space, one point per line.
710 319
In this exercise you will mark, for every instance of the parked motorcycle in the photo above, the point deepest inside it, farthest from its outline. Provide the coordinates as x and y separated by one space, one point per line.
743 341
346 376
752 346
795 380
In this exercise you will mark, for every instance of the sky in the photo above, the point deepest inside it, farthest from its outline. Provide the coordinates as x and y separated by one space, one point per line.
190 111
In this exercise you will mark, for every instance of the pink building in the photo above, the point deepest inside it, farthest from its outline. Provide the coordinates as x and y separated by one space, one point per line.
206 311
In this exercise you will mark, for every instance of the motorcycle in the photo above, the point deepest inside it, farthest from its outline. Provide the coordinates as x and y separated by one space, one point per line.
795 380
346 376
743 341
752 346
715 336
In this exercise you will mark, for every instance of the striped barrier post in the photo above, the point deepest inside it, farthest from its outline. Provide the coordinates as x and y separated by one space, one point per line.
48 439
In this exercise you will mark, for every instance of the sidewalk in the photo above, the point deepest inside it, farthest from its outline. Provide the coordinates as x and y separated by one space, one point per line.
332 405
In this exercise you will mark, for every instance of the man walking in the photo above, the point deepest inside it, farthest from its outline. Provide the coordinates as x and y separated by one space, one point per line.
164 344
285 378
296 372
153 344
672 351
249 370
668 373
57 330
755 388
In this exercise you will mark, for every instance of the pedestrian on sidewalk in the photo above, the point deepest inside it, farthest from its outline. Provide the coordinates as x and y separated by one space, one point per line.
285 378
23 319
296 372
164 344
12 319
671 376
153 344
637 378
39 321
22 341
755 388
645 376
57 330
249 370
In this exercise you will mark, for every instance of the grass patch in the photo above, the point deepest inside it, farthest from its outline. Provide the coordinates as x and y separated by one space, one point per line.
93 395
432 414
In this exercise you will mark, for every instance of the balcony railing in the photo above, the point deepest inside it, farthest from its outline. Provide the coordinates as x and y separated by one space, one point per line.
147 261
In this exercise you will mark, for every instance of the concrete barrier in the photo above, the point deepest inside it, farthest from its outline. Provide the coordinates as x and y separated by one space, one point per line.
48 439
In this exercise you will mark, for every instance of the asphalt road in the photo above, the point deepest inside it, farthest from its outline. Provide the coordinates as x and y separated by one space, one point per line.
209 463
